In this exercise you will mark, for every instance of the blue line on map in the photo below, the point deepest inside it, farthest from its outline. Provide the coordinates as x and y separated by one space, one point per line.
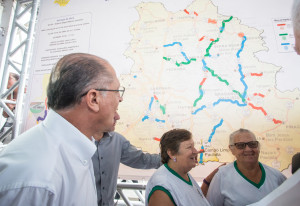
204 63
214 130
201 108
242 47
159 120
242 80
221 29
145 118
201 156
240 68
151 102
285 43
167 45
231 101
42 118
184 55
201 92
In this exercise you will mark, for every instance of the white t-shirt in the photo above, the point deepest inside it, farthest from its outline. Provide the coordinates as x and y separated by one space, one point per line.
230 187
180 191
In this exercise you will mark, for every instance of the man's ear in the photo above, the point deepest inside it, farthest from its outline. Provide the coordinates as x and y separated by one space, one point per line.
93 100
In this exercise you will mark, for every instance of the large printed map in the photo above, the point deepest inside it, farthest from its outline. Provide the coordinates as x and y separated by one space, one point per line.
196 69
191 68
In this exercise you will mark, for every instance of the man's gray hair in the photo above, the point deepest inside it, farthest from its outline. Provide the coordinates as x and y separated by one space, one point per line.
296 15
73 75
232 135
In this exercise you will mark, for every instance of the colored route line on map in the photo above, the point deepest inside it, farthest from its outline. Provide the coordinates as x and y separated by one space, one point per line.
210 138
209 47
156 139
201 38
230 101
265 113
212 21
258 108
184 55
215 41
162 108
200 91
42 118
214 130
256 74
186 11
185 63
242 96
242 47
201 155
259 94
188 61
223 24
213 73
199 109
167 45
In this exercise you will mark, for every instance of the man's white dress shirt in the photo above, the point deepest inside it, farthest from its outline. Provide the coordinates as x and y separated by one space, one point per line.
50 164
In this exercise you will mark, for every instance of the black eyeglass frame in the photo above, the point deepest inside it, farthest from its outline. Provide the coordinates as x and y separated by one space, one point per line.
242 145
109 90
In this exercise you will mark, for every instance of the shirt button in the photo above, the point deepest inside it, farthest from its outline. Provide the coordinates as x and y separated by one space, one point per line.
102 158
103 188
102 172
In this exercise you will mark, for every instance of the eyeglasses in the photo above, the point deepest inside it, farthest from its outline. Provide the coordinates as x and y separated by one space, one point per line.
121 91
242 145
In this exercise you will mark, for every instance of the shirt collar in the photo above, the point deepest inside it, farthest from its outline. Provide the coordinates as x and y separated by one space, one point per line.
64 132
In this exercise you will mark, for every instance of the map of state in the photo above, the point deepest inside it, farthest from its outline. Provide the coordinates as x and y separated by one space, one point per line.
209 66
196 69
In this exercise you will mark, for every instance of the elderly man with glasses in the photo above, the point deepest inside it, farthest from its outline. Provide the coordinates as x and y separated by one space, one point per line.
245 180
51 163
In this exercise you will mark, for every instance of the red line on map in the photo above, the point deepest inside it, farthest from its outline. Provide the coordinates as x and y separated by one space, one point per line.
259 94
203 80
241 34
195 13
157 139
155 97
201 38
212 40
277 121
280 24
186 11
212 21
258 108
256 74
46 103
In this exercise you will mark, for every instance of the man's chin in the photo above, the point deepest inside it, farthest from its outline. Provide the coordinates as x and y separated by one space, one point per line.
112 128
